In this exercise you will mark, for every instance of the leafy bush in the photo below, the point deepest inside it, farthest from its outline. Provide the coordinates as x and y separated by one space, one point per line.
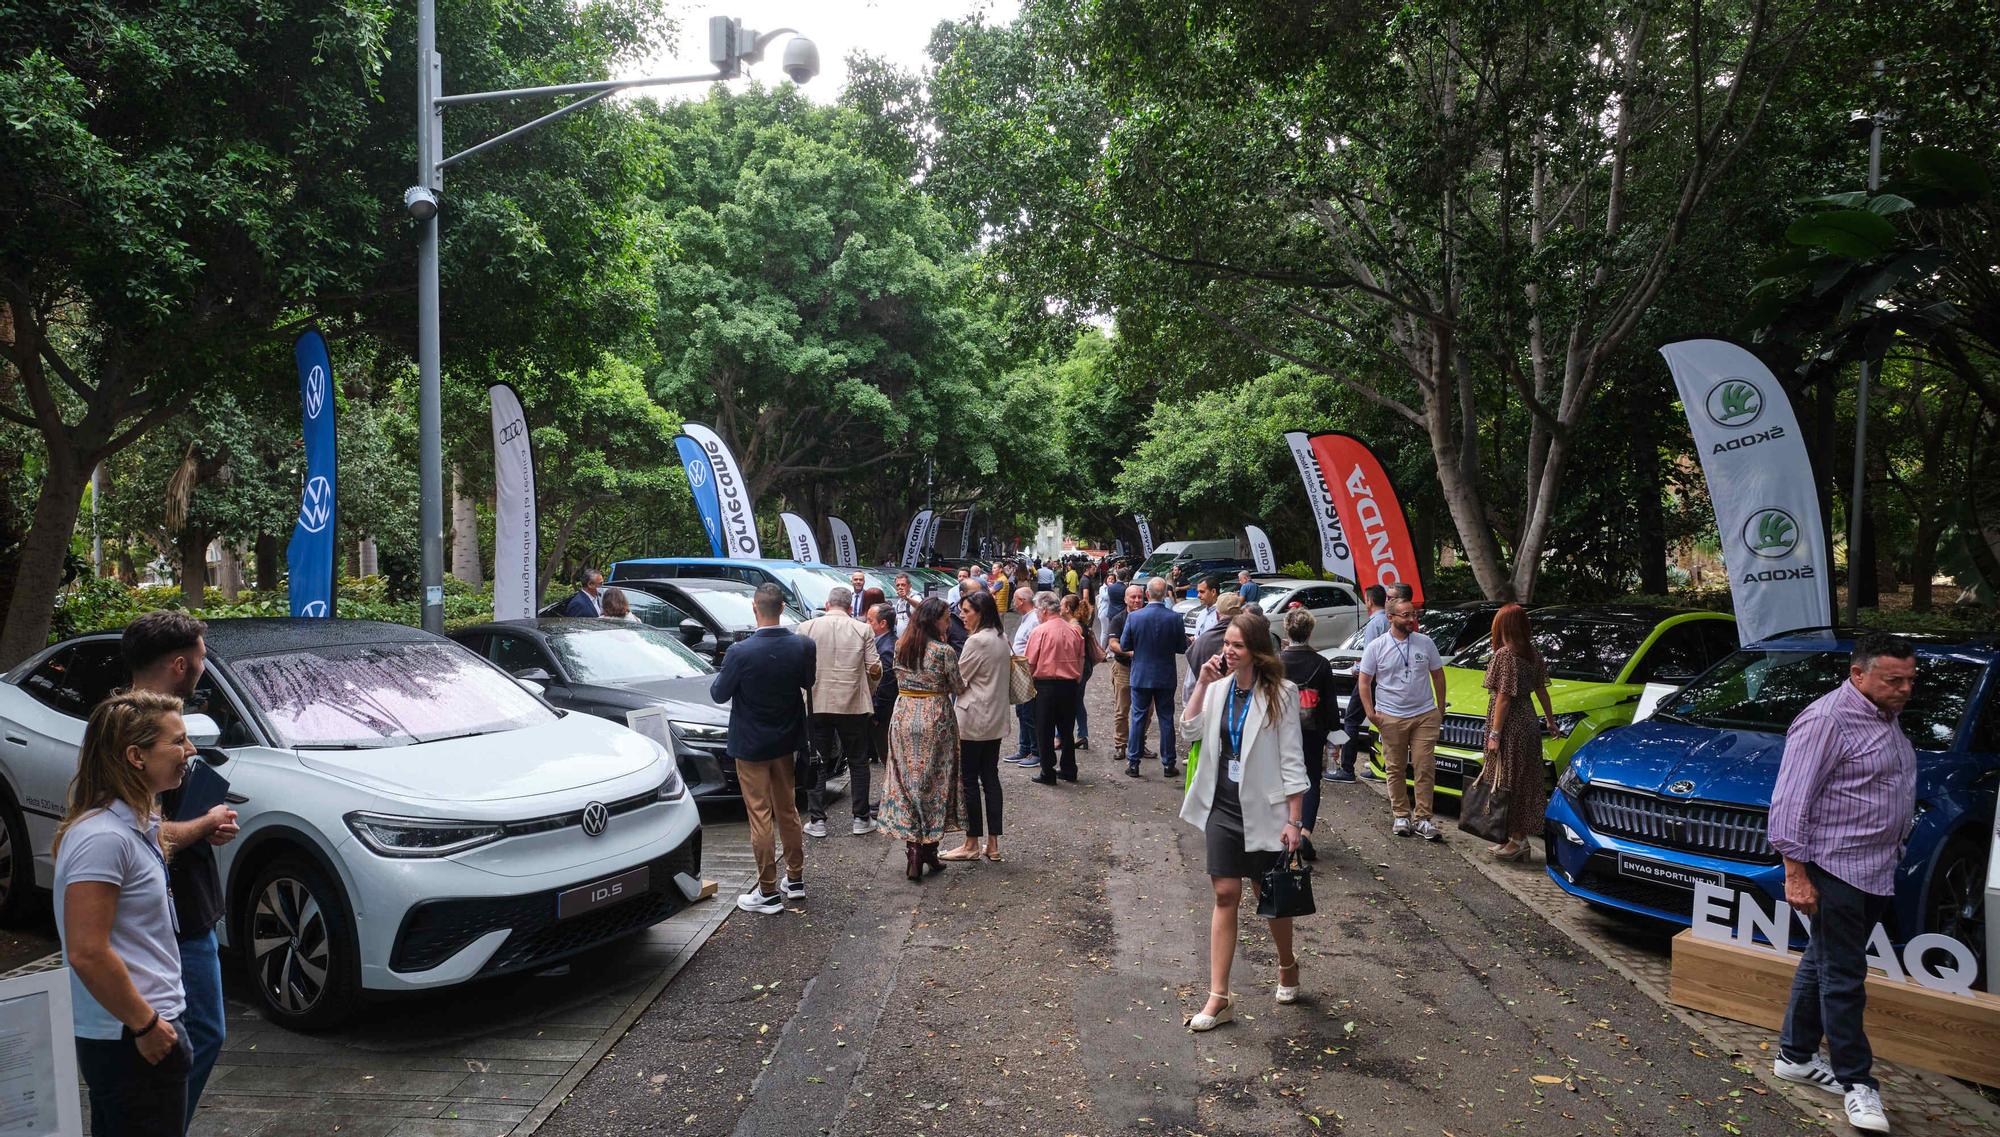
102 603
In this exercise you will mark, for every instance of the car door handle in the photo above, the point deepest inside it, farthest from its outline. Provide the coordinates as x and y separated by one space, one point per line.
17 741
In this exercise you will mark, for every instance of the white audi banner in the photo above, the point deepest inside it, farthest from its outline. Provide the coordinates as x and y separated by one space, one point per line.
913 541
739 520
845 553
1145 535
1761 481
1334 555
799 535
516 548
1260 549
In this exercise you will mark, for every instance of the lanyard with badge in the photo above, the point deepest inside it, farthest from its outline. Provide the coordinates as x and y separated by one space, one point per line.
152 844
1232 729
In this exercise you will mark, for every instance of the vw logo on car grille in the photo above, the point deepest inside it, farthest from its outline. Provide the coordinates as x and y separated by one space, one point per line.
595 818
1682 788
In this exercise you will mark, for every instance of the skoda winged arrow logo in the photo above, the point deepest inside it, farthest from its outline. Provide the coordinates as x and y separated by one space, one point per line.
317 506
1771 533
595 818
1734 403
315 391
1681 788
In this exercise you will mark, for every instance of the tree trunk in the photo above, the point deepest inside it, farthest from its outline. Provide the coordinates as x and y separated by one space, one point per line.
192 545
1923 564
232 573
267 563
1652 517
38 574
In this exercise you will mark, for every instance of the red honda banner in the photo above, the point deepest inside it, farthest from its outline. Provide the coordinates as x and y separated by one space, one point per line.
1371 516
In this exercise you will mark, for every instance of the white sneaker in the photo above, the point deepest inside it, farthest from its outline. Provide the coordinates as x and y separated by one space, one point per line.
756 900
1401 828
1816 1072
1864 1110
816 828
1428 830
863 825
791 889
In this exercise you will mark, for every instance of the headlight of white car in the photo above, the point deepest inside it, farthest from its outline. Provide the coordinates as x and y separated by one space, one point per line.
672 789
422 836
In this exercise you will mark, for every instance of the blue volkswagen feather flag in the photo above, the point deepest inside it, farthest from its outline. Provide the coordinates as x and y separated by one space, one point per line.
701 480
312 554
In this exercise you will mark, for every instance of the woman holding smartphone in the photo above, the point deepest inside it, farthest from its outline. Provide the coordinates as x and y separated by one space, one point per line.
1246 795
116 917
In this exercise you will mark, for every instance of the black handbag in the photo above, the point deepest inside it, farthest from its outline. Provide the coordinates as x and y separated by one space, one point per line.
1287 889
1482 810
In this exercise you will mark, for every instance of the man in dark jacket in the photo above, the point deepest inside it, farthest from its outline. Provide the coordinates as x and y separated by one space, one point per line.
585 602
882 621
1156 638
764 679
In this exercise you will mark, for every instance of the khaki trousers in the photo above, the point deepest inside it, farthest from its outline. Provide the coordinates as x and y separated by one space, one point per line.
1121 699
1413 742
768 799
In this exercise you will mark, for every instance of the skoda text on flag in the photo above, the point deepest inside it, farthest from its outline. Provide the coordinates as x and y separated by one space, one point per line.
913 542
309 559
1260 549
799 535
1371 516
844 553
739 520
1334 555
1766 500
1145 535
516 551
701 482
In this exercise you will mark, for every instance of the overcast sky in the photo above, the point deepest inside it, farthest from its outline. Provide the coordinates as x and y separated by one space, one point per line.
897 30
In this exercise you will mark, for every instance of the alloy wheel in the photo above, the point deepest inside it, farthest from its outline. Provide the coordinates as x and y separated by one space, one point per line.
290 946
1958 901
6 863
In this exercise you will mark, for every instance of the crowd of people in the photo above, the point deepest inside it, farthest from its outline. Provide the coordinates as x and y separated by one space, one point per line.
922 687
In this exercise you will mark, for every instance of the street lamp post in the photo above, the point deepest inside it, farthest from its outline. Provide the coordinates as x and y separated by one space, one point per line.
730 46
1858 491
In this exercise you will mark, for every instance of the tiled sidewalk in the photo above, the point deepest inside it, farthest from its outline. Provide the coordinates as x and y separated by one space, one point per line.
1920 1104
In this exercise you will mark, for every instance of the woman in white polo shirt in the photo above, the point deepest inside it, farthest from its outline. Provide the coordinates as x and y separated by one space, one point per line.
116 917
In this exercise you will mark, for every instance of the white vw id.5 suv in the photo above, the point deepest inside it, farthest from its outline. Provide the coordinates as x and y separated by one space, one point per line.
412 817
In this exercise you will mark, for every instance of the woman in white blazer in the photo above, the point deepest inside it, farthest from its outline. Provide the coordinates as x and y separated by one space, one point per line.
1246 794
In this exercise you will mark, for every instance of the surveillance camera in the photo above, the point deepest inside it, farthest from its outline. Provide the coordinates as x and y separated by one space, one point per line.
801 59
421 202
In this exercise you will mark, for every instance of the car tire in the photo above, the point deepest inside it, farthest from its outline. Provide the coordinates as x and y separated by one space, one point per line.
1955 902
20 900
308 974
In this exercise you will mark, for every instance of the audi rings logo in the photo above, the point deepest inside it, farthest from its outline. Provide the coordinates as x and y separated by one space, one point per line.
1771 533
595 818
316 508
1681 788
1734 403
697 473
315 391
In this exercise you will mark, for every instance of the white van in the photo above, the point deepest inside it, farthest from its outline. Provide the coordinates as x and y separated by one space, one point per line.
1227 551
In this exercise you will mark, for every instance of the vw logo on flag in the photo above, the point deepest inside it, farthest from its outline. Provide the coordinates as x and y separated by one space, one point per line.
316 609
697 473
595 818
315 391
317 506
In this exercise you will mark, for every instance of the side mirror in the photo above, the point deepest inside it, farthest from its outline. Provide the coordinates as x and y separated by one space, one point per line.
692 632
202 730
533 675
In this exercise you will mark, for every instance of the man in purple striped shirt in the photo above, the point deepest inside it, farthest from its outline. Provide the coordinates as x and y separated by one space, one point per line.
1839 816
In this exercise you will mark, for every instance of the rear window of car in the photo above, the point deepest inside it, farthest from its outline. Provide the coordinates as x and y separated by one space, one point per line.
1766 690
364 696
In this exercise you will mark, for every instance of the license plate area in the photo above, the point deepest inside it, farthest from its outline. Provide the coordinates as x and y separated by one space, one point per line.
1446 764
603 893
1661 872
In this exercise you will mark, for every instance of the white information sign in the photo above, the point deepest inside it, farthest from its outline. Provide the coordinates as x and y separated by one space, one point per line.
38 1078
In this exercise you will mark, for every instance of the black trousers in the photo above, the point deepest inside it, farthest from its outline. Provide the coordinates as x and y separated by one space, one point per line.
979 777
1829 991
129 1096
1315 747
1055 718
1354 721
847 737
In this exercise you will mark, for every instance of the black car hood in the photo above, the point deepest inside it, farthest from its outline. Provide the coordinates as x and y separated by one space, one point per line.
685 699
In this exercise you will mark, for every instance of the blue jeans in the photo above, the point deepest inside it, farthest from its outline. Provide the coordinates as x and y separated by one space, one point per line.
1024 717
203 1022
1829 993
1082 717
1145 700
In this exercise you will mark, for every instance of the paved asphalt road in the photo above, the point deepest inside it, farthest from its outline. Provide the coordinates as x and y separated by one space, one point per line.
1046 995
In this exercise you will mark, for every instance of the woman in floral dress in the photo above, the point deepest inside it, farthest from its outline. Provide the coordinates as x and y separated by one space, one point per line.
920 799
1515 675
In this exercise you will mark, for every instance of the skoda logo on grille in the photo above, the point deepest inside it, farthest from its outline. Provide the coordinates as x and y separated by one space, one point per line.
595 818
1682 788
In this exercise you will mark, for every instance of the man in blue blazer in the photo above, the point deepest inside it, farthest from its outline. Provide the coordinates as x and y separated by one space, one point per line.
764 679
1155 637
585 602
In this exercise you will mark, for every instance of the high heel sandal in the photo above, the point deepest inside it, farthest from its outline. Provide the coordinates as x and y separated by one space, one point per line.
1199 1021
962 853
1520 852
1287 995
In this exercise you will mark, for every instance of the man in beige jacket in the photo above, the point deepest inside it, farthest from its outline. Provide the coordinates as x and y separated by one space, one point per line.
846 667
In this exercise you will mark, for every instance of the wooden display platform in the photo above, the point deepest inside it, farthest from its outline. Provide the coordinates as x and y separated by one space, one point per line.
1950 1034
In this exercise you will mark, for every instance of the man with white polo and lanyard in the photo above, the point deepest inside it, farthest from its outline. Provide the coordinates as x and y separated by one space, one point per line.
1840 813
1400 682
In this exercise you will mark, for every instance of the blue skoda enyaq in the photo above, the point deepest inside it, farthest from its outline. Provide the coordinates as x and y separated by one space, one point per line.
1645 812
